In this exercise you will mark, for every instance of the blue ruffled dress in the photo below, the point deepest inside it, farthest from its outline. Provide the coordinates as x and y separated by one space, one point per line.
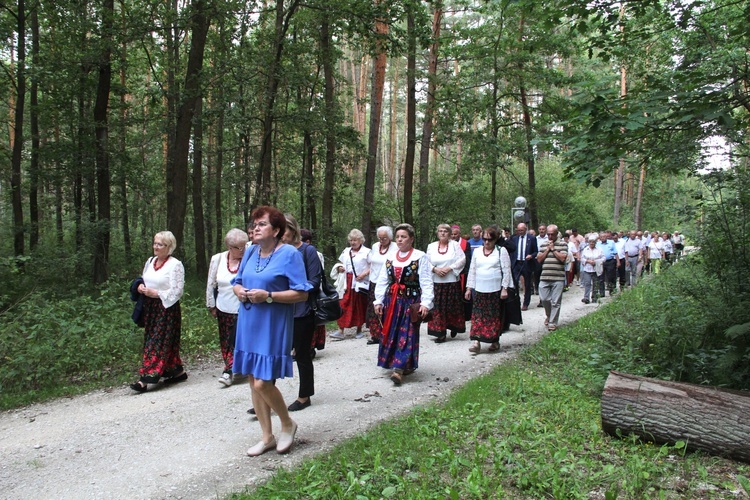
265 331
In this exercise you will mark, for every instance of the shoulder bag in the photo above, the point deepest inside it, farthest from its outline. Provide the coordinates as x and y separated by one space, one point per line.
326 304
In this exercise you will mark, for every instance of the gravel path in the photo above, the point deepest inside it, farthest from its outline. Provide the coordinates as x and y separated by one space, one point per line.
189 440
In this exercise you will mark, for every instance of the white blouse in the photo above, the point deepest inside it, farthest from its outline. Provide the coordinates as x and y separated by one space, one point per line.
425 279
361 265
169 280
489 273
220 277
594 254
377 260
454 258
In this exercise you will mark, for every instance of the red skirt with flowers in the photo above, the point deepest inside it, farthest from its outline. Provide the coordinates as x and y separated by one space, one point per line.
448 312
487 317
354 306
373 320
161 342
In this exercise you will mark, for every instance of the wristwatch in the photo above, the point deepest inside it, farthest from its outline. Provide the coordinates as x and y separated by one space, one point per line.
269 299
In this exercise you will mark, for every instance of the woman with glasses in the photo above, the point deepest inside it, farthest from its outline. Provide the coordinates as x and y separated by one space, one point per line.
270 280
162 287
406 280
380 252
353 261
220 298
489 278
447 260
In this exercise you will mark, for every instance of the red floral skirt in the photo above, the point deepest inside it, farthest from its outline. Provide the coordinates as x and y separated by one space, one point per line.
161 341
354 305
487 317
448 313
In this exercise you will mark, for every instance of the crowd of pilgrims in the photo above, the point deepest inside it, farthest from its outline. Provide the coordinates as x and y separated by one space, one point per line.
262 291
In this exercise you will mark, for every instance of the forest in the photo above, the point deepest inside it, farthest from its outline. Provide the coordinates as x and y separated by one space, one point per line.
128 117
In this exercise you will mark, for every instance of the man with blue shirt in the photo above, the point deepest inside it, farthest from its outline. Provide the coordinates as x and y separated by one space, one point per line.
611 263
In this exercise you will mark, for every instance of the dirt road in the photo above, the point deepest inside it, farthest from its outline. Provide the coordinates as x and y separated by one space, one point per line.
189 440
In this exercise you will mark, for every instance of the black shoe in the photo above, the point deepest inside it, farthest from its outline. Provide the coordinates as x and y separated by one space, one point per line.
539 305
585 301
453 334
296 406
179 378
251 411
440 340
139 387
372 341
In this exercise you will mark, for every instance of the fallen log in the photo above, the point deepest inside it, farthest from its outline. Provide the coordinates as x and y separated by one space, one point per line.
706 418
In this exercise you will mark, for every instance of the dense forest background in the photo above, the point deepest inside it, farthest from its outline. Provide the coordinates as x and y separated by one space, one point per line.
132 116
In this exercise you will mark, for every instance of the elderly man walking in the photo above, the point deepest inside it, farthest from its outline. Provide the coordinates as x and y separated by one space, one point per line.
551 257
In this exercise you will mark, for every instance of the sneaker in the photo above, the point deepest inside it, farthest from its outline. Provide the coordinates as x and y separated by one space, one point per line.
359 335
226 379
337 335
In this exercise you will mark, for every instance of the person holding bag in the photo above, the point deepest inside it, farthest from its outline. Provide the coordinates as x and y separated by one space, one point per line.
304 315
162 288
353 261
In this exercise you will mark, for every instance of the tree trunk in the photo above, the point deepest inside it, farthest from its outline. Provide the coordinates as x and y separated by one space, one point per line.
391 181
200 230
178 173
639 196
101 132
330 135
265 163
218 169
411 115
376 112
122 150
424 151
705 418
34 124
620 172
15 169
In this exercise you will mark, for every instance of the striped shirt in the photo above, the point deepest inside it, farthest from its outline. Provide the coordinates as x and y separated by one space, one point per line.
552 268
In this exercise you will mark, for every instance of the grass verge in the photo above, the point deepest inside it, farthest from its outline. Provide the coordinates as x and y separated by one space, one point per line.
529 429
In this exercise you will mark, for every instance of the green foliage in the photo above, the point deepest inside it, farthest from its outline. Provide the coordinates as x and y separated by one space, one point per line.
529 429
678 327
57 345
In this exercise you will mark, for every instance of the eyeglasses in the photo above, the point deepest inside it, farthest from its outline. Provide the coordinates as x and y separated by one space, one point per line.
159 245
260 224
235 248
488 239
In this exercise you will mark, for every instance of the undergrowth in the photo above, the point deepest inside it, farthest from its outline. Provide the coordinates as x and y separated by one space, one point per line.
71 344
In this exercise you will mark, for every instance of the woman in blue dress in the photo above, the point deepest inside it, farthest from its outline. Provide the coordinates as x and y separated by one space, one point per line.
406 279
271 279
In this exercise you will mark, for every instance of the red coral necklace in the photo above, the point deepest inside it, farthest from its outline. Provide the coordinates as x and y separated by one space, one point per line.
443 252
405 257
156 263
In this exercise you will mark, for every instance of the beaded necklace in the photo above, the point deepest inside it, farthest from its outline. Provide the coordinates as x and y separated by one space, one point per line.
156 262
232 271
405 258
258 268
444 251
384 249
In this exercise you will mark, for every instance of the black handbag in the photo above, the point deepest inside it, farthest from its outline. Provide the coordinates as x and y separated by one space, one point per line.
326 304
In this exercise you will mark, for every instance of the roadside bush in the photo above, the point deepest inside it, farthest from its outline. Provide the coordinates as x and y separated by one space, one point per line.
675 327
48 344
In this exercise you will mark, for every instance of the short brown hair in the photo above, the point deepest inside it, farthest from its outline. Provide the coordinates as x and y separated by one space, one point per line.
275 217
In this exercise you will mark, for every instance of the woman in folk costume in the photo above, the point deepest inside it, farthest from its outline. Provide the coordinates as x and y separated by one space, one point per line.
489 279
381 251
405 280
353 261
447 261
